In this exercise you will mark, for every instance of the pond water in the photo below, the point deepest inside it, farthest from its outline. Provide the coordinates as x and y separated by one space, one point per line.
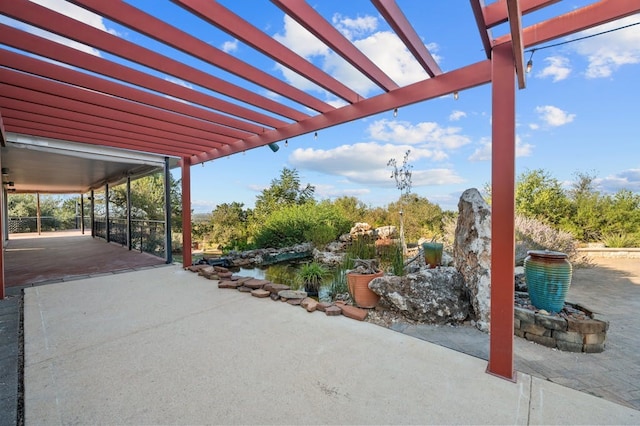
283 273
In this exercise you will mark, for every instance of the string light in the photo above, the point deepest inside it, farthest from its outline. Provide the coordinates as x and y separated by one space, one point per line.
530 62
395 113
286 143
456 95
315 135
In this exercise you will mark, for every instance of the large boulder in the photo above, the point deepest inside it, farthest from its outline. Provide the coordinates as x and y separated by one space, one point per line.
472 253
436 296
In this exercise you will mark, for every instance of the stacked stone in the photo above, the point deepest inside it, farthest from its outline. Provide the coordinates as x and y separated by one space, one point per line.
567 334
263 289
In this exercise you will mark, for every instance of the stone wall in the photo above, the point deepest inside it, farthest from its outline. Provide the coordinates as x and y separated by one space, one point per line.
567 334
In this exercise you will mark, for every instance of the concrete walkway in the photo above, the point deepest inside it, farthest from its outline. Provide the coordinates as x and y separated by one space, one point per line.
165 346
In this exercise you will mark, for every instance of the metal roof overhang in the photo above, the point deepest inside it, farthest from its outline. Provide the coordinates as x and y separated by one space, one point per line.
69 167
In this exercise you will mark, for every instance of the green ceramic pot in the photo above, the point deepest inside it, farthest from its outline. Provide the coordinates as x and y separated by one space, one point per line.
432 254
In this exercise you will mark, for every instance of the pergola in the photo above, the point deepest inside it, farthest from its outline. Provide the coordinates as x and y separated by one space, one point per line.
100 102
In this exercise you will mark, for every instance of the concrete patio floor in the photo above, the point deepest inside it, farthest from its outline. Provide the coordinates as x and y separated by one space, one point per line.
165 346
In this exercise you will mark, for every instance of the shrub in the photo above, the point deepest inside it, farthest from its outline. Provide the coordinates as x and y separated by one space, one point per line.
297 224
311 275
620 240
531 234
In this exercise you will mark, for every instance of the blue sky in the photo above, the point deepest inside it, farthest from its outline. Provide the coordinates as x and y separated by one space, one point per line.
577 114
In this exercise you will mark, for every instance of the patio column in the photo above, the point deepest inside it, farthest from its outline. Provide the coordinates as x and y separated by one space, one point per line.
38 215
106 209
3 215
82 213
129 212
167 211
92 215
186 211
502 212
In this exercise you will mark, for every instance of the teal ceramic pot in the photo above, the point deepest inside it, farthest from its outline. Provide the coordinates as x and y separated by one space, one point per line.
548 275
432 254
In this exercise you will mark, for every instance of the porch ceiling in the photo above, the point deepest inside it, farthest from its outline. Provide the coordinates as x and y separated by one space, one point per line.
99 101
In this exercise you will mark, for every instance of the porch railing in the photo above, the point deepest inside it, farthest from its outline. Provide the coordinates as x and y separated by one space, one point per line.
146 235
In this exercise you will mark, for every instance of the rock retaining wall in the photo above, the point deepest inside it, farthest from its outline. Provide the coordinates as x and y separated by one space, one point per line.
567 334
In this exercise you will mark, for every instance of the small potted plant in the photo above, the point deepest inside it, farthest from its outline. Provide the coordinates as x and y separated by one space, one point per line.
311 275
358 280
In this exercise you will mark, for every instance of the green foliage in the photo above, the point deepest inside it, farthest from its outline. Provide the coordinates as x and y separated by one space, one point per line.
283 192
392 259
421 217
228 226
294 224
351 208
621 240
541 197
338 283
311 275
362 247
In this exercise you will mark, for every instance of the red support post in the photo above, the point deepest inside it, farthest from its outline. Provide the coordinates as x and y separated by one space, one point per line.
186 212
502 212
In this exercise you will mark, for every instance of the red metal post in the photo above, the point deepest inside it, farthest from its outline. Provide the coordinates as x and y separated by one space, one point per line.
3 198
186 212
502 212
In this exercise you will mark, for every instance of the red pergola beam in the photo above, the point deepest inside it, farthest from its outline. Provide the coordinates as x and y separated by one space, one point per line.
136 131
27 42
144 23
460 79
197 128
578 20
86 81
44 18
23 119
227 21
306 16
515 26
496 13
188 140
47 131
405 31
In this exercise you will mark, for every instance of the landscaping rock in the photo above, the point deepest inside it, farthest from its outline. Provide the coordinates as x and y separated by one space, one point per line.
225 275
333 311
229 284
436 296
472 253
309 304
294 302
322 306
255 284
292 294
196 268
354 312
260 293
275 288
244 289
274 296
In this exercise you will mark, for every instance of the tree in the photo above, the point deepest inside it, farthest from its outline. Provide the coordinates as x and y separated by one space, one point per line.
422 218
284 191
352 208
402 176
229 225
541 197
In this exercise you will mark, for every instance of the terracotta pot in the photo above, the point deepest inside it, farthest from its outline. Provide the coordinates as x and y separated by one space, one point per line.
358 284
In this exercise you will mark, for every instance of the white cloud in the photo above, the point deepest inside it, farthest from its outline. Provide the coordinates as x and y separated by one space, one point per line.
230 46
534 126
367 163
554 116
608 52
483 152
384 48
457 115
429 133
301 41
352 28
627 179
558 68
